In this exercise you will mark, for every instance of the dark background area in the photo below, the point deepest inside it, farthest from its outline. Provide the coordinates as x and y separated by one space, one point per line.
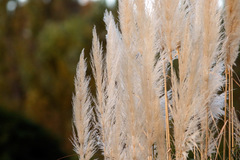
40 44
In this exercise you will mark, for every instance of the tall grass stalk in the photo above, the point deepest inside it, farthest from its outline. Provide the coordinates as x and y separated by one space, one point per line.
163 83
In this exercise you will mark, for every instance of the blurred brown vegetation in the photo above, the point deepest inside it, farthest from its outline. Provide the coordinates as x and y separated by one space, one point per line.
40 44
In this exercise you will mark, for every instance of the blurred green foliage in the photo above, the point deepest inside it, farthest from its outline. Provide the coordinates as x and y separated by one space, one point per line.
40 44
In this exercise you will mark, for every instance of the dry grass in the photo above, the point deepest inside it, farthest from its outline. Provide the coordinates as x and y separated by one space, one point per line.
160 86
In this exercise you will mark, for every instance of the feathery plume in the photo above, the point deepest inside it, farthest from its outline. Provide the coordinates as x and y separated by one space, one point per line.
232 30
83 139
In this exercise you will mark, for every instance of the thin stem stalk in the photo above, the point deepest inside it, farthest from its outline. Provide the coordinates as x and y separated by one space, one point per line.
232 109
225 115
167 116
229 117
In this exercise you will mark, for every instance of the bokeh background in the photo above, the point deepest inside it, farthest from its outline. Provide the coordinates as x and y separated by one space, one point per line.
40 44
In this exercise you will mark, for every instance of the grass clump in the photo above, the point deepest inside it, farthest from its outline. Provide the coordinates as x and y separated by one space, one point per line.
146 107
